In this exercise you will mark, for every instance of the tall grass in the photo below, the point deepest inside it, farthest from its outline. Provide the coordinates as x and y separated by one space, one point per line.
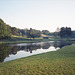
61 62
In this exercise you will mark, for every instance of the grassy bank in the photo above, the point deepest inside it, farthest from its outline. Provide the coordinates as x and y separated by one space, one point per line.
61 62
18 39
23 40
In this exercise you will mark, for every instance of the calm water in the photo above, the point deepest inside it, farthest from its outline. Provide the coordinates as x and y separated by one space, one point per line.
13 51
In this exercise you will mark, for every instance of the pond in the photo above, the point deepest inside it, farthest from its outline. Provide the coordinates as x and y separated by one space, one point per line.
14 51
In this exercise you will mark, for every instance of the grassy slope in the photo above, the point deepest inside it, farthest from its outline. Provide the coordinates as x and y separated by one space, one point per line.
61 62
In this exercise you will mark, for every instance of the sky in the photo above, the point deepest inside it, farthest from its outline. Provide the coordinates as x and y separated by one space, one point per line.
38 14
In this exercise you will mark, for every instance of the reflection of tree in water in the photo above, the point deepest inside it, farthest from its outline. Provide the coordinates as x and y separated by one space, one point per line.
33 47
30 48
61 44
45 45
4 51
49 44
56 44
14 50
64 43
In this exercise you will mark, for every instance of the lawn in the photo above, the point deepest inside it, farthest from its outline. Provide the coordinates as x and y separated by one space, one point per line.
23 40
60 62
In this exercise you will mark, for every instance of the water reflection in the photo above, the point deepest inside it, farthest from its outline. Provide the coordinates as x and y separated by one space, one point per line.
14 51
4 51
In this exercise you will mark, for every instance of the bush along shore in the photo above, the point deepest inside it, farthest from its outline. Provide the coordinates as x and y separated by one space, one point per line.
60 62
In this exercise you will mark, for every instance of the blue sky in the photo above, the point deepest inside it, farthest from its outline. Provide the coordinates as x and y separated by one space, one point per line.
38 14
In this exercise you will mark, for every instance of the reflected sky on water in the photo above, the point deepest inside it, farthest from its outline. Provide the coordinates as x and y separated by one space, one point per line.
14 51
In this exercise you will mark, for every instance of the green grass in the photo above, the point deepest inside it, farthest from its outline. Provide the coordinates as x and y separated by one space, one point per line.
23 40
60 62
20 39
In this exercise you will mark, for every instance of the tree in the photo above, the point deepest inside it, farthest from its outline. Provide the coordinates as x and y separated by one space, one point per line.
46 32
56 34
8 31
22 32
14 30
65 32
32 33
3 30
